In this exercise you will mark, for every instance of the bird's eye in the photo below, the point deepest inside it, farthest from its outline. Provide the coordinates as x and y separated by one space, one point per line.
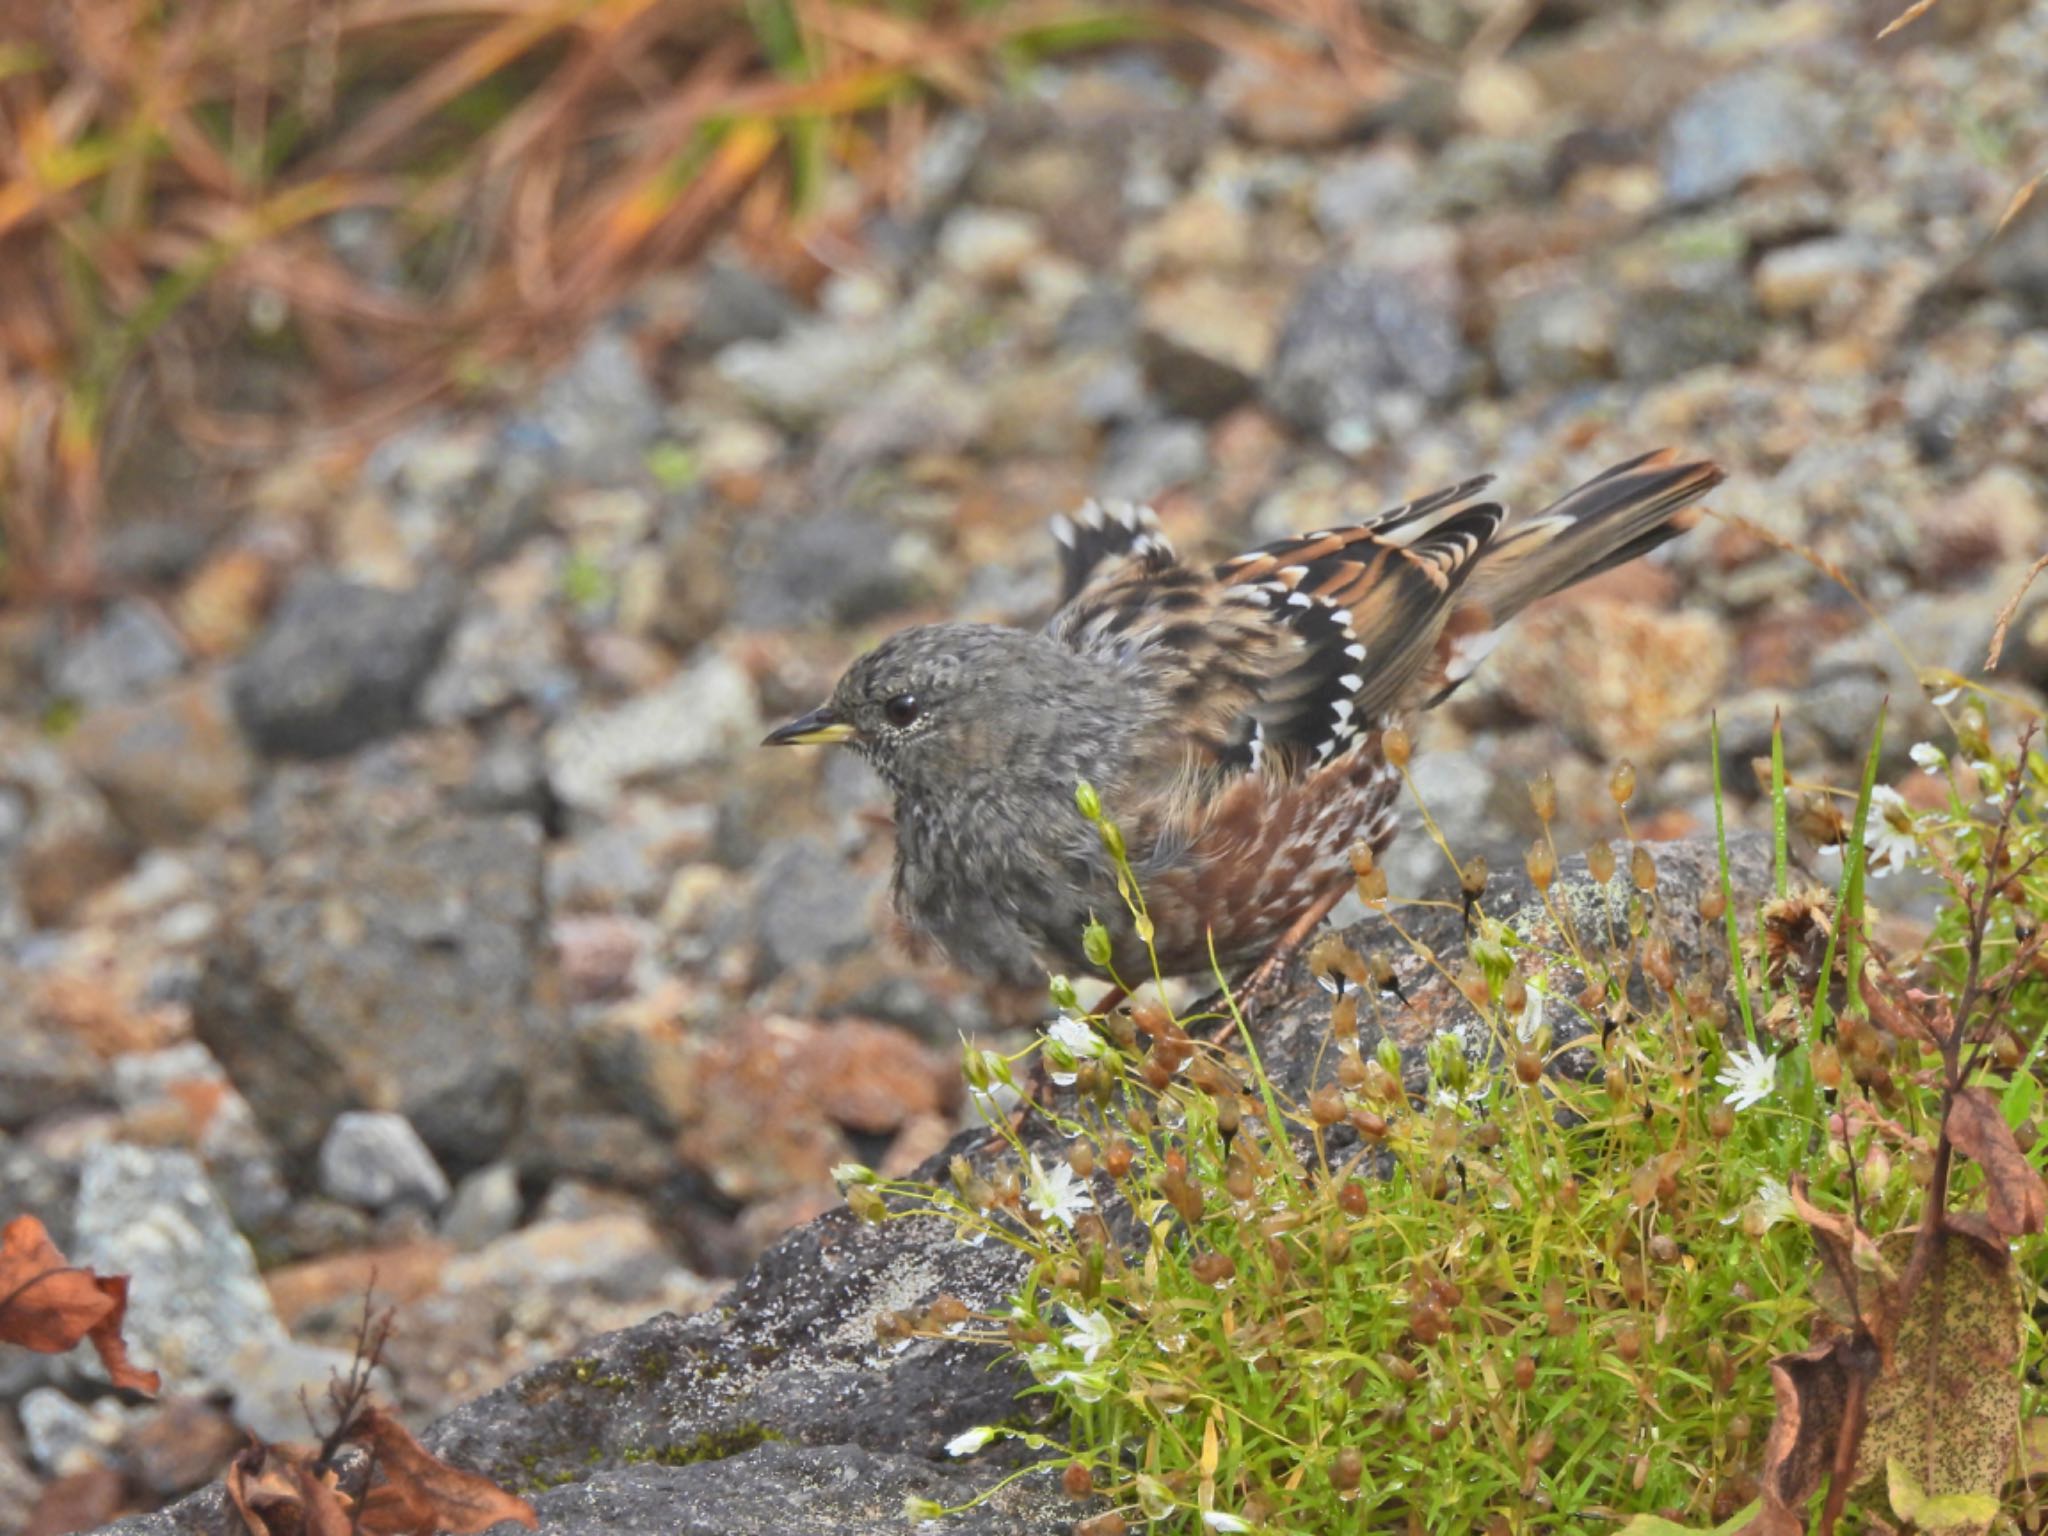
902 709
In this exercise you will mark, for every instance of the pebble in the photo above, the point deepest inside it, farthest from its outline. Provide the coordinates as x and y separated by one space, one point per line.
701 715
1745 126
376 1159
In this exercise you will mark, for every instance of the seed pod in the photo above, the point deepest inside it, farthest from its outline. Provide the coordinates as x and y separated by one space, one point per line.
1600 861
1525 1372
1326 1105
1642 869
1346 1470
1362 858
1543 796
1541 863
1353 1198
1541 1444
1528 1065
1720 1121
1622 783
1713 903
1077 1482
1395 746
1229 1115
1658 963
1472 878
1081 1158
1372 886
1217 1269
1827 1065
1344 1016
1087 801
1116 1158
1238 1182
1371 1126
1108 1523
1350 1070
1664 1248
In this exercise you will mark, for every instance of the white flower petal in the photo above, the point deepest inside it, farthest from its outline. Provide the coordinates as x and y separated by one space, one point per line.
1928 757
1091 1334
1750 1077
1216 1520
968 1441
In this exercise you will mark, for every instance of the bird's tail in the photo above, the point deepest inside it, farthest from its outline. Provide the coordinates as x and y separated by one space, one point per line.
1625 512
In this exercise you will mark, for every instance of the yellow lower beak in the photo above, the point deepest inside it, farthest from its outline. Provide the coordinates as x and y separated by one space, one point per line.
817 729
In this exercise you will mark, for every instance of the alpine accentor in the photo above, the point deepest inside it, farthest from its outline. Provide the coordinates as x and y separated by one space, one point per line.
1230 717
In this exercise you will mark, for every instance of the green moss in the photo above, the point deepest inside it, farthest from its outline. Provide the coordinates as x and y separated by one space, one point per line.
716 1445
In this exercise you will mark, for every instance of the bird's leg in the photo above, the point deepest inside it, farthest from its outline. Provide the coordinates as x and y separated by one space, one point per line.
1109 1000
1259 985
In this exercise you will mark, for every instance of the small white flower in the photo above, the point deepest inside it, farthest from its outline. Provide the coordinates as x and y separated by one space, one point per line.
1532 1011
852 1173
1772 1203
1077 1040
1946 697
968 1441
1888 833
1928 757
1091 1334
1216 1520
1990 780
1750 1077
1087 1386
1056 1195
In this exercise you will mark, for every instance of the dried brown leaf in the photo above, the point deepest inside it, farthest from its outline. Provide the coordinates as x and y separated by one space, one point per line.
1946 1409
2016 1200
1907 17
423 1494
1814 1389
49 1306
1892 1008
277 1492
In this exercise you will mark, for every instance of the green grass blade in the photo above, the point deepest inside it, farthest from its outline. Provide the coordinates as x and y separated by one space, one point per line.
1780 863
1736 963
1849 902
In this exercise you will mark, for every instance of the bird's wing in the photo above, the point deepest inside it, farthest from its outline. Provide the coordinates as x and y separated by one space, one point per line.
1106 533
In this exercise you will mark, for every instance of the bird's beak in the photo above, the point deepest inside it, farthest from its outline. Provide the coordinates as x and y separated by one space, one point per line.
821 727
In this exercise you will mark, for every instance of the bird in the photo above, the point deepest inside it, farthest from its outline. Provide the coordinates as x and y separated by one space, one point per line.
1231 720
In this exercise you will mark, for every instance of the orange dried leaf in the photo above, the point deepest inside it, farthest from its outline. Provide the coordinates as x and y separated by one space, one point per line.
2016 1200
45 1304
277 1492
1814 1390
1892 1008
423 1494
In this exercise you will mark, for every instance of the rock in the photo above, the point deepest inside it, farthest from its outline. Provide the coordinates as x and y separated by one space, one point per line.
989 246
839 566
1367 191
1561 332
615 1148
274 1377
486 1206
597 953
1614 676
194 1297
506 649
1752 124
67 1437
1206 341
810 906
813 371
736 303
1360 331
599 413
170 765
373 1160
180 1444
1685 315
340 665
2017 261
19 1488
773 1099
384 963
618 1255
702 714
130 650
1145 460
685 1425
1815 275
1457 787
1289 108
63 839
45 1069
41 1185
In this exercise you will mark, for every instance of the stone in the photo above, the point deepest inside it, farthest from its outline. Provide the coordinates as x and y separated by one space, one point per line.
66 1436
132 649
274 1377
701 715
19 1487
45 1069
169 765
1744 126
56 830
811 372
736 303
1366 191
194 1296
1815 275
838 566
180 1444
597 952
486 1206
1205 341
1146 459
340 665
618 1254
1685 315
505 650
599 414
1561 332
384 963
374 1160
1614 676
810 906
989 246
1300 108
2016 263
1363 329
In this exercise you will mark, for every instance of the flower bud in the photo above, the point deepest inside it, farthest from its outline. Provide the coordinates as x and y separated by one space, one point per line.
1622 784
1543 796
1541 863
1112 840
1064 997
1087 802
1095 944
1395 746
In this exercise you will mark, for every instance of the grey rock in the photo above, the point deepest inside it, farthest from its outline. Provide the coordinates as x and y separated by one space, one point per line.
1205 342
1456 786
498 657
1691 315
599 413
169 765
195 1297
388 965
810 906
812 372
59 841
2017 261
274 1376
1560 333
130 650
19 1487
1146 459
44 1068
736 303
1361 331
790 1416
486 1206
1366 191
41 1185
1764 120
340 665
699 716
66 1436
840 566
374 1159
